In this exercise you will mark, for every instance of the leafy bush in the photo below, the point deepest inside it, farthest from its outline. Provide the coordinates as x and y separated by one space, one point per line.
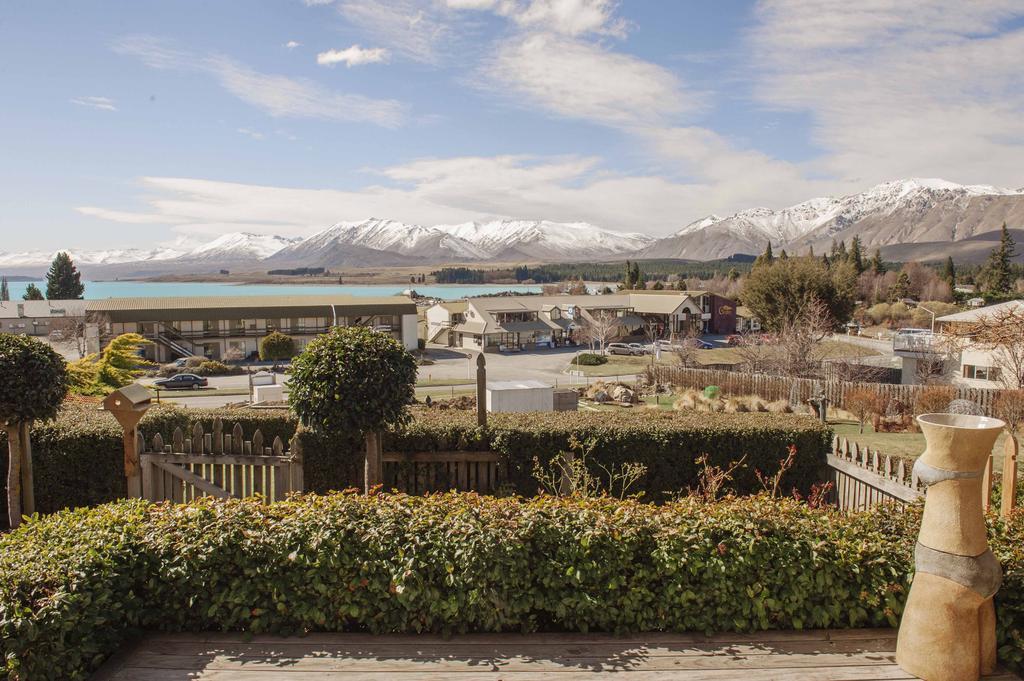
277 346
79 460
33 379
212 367
934 399
590 359
73 585
353 379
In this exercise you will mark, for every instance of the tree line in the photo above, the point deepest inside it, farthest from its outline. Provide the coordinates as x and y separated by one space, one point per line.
63 282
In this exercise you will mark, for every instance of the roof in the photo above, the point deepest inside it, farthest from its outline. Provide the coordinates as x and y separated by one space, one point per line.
517 385
982 312
526 327
241 307
745 312
9 309
454 306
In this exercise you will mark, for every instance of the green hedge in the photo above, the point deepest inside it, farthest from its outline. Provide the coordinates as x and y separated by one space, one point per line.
78 458
73 585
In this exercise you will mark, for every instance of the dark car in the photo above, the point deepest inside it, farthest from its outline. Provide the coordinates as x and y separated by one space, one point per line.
181 382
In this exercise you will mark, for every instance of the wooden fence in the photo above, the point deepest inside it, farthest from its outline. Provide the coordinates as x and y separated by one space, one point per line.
218 464
422 472
862 477
800 390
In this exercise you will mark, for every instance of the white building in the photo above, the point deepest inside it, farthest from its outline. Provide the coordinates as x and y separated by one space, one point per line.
968 364
38 317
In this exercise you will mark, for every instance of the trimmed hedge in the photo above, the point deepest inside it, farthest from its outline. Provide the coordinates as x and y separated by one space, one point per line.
75 584
78 457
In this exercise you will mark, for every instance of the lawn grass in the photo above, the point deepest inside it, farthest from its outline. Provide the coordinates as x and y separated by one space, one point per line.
439 382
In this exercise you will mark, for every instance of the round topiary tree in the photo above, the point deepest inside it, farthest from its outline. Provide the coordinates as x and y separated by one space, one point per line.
354 379
277 347
33 383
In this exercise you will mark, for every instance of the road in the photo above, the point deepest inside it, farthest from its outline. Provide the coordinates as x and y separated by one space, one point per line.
542 365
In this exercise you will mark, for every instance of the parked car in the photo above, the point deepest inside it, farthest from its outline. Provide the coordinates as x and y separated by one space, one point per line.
620 349
181 382
639 348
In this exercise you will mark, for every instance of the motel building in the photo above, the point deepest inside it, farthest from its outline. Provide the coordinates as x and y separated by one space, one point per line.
512 323
39 317
231 327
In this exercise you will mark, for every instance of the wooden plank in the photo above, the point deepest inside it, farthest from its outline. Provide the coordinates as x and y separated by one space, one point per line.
191 478
890 487
225 459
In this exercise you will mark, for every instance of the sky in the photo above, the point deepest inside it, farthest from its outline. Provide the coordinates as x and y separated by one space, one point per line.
145 123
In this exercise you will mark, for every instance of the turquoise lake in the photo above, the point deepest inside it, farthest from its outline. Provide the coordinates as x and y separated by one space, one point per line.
95 290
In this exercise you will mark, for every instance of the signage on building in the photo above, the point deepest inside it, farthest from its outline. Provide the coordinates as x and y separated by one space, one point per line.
725 309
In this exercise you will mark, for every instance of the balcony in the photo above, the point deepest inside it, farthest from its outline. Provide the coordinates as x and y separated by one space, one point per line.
915 342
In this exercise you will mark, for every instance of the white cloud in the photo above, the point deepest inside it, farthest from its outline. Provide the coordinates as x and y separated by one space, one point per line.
929 89
102 103
127 216
275 94
353 56
249 132
580 80
572 17
292 44
413 28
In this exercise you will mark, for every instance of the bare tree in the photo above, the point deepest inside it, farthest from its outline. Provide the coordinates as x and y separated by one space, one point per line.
686 347
1001 334
598 327
755 353
73 330
800 340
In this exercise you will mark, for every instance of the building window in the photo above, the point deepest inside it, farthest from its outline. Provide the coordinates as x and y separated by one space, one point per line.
981 373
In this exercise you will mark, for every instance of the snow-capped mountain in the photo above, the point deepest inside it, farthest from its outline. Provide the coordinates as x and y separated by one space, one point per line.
388 242
545 240
904 211
238 246
86 257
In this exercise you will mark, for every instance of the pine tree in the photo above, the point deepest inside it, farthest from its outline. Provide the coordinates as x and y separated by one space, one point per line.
766 258
998 275
638 277
949 272
783 255
857 254
32 292
627 280
877 264
64 281
900 289
5 293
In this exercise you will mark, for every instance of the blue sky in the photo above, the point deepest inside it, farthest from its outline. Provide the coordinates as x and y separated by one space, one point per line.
144 123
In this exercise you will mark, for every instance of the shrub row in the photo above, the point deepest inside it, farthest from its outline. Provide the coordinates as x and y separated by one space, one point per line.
74 584
78 458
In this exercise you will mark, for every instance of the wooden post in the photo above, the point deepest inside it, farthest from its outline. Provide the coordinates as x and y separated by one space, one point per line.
481 390
132 469
13 475
1010 450
565 483
986 485
28 495
373 473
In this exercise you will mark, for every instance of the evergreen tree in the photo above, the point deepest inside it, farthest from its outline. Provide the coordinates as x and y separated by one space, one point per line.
766 258
877 265
825 260
857 254
783 255
734 274
32 292
627 280
949 272
5 293
638 277
64 281
900 289
658 286
998 276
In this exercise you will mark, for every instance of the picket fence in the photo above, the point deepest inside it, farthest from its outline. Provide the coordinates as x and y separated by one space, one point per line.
800 390
218 464
862 478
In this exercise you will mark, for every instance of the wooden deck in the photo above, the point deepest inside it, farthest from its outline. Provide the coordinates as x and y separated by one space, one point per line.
841 655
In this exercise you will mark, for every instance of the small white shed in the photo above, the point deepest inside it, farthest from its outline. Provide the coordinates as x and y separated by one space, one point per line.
517 396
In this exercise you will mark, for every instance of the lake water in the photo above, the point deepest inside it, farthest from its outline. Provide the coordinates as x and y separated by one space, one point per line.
95 290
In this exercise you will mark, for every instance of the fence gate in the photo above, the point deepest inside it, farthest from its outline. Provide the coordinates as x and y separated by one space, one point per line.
862 478
218 465
422 472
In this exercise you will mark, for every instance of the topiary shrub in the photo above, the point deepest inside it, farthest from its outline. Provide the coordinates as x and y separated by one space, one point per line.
33 384
277 347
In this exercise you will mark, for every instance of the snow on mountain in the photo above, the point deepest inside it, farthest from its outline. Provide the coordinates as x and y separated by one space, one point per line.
545 240
903 211
239 246
83 257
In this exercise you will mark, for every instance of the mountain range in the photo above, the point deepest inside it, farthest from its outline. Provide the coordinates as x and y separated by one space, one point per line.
913 211
913 219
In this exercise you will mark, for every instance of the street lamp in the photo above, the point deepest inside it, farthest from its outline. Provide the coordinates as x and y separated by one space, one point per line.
922 307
